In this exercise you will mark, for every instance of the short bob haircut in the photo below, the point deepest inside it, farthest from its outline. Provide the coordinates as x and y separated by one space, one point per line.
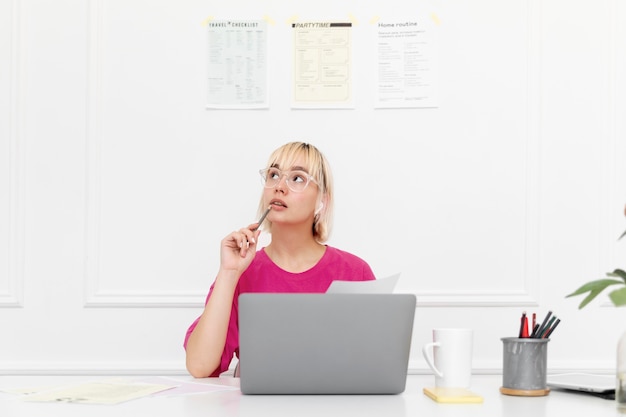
317 166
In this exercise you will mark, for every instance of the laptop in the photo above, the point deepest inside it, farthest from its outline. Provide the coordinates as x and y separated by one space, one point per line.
585 382
324 343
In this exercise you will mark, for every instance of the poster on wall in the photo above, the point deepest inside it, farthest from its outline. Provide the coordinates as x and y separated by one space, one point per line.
322 65
237 64
407 63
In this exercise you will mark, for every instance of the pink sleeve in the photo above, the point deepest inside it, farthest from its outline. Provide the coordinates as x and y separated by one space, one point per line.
195 322
232 337
189 331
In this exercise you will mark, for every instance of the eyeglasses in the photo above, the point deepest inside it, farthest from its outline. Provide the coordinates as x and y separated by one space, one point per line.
296 180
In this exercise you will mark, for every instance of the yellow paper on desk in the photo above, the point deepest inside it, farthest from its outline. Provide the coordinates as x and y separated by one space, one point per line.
453 395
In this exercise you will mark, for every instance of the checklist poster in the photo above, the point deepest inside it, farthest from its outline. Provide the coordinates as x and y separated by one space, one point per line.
237 64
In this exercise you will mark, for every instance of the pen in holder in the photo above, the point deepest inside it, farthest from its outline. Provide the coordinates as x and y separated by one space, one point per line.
524 371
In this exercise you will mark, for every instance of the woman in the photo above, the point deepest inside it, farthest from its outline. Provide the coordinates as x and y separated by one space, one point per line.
298 198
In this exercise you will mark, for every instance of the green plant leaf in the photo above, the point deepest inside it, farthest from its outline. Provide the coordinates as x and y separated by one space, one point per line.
599 284
618 273
618 297
592 294
593 288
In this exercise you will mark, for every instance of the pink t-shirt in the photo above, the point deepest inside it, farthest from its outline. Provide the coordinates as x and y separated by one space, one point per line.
263 275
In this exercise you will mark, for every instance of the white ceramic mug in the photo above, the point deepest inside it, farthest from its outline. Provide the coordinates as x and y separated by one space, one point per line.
450 357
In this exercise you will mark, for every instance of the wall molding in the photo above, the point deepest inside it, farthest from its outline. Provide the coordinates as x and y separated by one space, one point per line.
12 295
92 368
129 299
415 367
93 294
464 299
611 193
528 296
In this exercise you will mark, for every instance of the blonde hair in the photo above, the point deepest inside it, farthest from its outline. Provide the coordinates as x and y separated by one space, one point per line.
317 166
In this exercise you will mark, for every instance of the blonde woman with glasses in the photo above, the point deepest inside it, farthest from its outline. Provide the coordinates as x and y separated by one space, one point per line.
296 209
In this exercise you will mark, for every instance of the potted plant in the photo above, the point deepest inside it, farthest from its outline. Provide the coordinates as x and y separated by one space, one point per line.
618 298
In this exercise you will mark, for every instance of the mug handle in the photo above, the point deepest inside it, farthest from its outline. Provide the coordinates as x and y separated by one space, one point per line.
427 351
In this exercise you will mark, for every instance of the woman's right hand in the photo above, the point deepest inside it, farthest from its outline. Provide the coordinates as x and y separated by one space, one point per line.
237 250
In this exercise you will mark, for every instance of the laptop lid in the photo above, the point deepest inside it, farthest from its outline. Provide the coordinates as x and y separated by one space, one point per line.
324 343
593 383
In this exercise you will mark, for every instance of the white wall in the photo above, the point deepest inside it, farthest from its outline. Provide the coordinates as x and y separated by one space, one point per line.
116 184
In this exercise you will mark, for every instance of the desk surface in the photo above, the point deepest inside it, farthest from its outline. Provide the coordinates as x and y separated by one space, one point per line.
231 402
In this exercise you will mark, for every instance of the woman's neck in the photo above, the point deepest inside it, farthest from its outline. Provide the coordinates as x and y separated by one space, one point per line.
294 253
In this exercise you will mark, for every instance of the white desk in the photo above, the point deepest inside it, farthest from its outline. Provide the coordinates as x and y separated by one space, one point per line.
232 403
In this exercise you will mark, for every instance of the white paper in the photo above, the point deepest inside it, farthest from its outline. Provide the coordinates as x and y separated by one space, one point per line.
237 64
98 393
322 70
186 386
407 64
376 286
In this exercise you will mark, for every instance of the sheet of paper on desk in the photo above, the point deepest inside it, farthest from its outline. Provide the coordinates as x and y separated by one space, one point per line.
98 393
185 386
377 286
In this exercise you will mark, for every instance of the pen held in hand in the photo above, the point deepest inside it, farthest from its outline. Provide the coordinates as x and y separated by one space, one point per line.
262 218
